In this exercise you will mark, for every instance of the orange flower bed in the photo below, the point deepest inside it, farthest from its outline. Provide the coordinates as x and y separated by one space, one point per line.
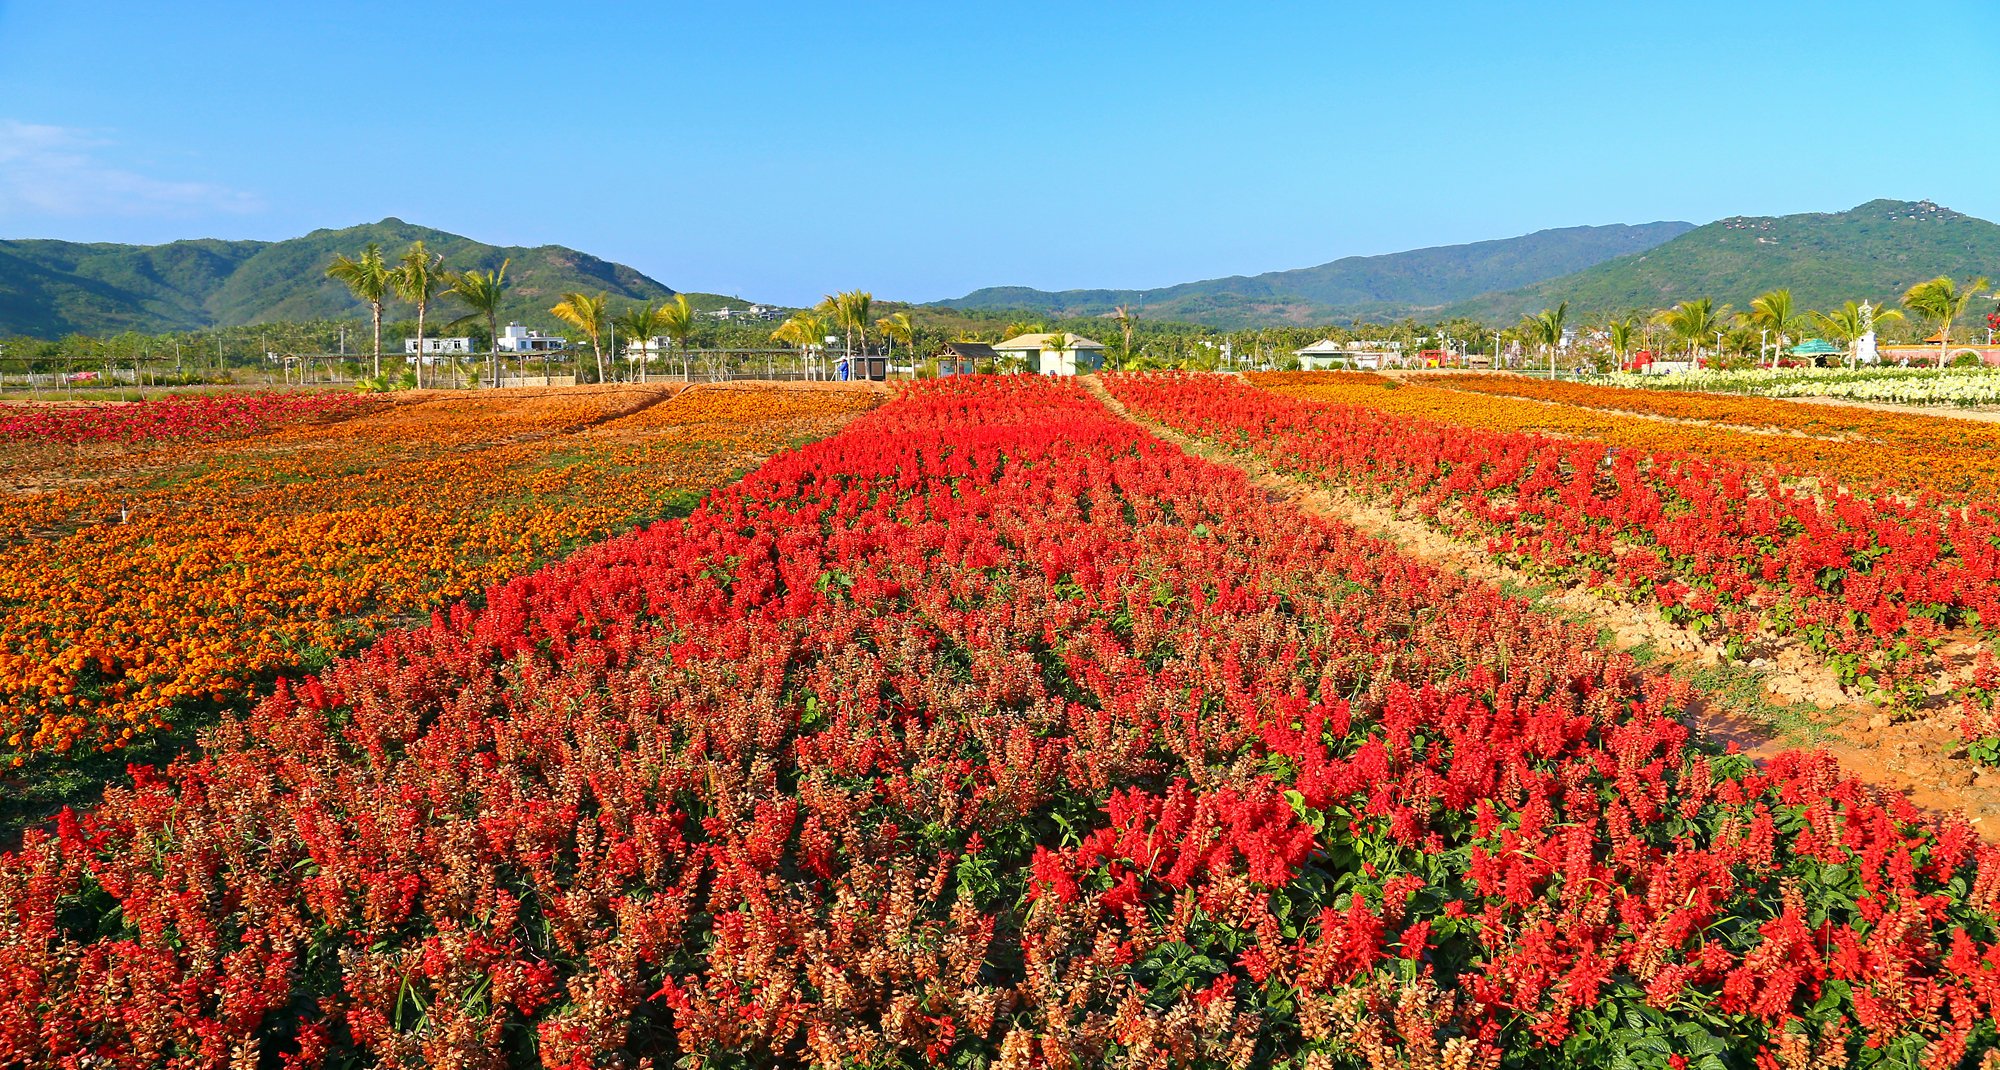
144 586
1862 465
1958 450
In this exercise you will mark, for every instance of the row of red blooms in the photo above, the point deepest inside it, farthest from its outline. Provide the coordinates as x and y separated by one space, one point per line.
1727 549
200 417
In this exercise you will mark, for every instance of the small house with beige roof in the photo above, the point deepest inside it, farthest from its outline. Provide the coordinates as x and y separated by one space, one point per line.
1042 355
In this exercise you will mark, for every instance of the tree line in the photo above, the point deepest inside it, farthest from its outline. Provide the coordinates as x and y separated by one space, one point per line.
1773 321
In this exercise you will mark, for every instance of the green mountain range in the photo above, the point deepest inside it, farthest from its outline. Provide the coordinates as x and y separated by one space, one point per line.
49 288
1377 287
1874 251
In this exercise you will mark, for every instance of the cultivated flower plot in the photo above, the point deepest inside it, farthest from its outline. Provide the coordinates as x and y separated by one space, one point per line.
145 585
205 418
1910 454
1869 452
993 731
1722 547
1964 387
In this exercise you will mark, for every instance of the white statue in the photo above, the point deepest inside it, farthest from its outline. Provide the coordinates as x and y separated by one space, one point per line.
1864 346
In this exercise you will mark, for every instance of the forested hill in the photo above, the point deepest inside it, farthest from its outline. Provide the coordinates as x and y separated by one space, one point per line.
1416 282
1874 251
50 288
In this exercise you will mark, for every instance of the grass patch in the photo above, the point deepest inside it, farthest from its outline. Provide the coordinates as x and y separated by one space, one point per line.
33 793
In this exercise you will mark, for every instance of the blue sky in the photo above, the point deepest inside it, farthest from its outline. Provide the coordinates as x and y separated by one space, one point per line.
782 150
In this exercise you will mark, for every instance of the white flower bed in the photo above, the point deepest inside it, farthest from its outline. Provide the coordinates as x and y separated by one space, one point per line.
1903 386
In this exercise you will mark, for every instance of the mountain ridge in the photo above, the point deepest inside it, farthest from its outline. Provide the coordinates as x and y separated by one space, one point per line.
1377 286
50 287
1875 250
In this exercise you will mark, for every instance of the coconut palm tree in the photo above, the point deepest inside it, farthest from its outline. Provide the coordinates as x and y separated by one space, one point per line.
1621 338
1126 316
1774 312
418 277
898 327
368 279
1942 300
587 314
482 292
1846 324
1018 328
805 330
1059 343
1744 336
849 311
639 324
1545 329
677 319
1692 322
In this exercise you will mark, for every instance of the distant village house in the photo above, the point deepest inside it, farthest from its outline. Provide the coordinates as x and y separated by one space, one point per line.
754 312
964 358
438 346
1042 358
1327 354
515 338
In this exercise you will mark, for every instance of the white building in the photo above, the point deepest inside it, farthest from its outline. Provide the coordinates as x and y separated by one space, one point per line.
515 338
1042 358
1327 354
650 350
754 312
438 346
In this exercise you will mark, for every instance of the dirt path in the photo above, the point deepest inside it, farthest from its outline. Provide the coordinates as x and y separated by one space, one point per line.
1797 701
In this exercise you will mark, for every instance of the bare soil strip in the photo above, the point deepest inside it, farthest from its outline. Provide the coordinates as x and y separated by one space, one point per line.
1915 758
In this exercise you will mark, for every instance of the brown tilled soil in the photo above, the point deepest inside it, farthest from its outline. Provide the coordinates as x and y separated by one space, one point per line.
1801 702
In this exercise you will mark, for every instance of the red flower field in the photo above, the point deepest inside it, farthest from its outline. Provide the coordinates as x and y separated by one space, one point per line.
995 731
1726 548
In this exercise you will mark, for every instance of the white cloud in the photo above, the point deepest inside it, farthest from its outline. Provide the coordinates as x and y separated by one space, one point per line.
58 171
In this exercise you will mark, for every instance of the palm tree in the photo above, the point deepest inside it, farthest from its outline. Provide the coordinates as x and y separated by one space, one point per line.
1743 336
898 327
586 314
1058 343
1692 321
677 318
805 330
1621 339
1942 300
640 324
849 311
1018 328
368 280
418 278
1126 316
482 291
1774 312
1846 325
1545 328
